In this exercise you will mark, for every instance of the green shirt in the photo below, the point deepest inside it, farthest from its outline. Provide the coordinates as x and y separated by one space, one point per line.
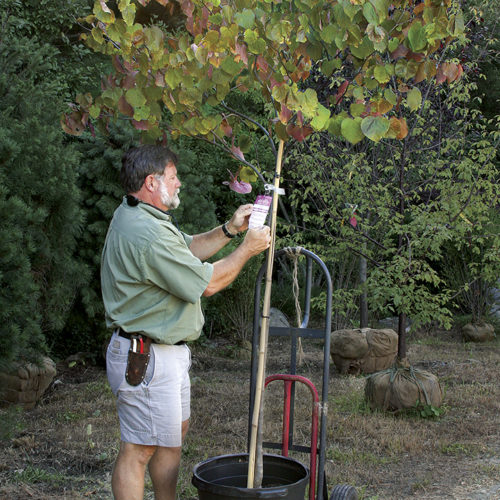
151 282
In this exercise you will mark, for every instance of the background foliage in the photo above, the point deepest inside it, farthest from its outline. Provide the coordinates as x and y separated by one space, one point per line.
421 212
39 199
57 194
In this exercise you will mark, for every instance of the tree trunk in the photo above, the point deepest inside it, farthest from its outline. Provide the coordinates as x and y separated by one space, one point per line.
402 316
402 337
363 303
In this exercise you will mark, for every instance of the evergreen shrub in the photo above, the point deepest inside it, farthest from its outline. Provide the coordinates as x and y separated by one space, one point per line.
38 200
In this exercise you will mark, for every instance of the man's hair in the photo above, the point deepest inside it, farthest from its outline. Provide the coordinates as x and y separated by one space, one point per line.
138 163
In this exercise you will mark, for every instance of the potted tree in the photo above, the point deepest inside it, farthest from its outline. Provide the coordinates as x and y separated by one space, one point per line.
178 82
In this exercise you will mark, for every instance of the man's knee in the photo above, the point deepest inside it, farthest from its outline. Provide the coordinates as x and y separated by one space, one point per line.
137 452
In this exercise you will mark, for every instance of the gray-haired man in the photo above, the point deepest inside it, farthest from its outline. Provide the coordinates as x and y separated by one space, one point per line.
153 277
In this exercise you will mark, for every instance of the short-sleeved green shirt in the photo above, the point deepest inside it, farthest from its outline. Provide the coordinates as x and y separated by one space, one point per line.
151 282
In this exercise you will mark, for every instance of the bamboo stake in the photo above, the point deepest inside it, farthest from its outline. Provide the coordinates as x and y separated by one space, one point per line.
264 329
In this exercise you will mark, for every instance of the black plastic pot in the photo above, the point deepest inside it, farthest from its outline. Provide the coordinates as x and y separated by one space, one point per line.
225 477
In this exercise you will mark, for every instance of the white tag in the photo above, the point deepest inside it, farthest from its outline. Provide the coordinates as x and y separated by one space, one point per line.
270 187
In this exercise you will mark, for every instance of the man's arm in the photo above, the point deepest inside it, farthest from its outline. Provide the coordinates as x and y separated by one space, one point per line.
226 269
205 245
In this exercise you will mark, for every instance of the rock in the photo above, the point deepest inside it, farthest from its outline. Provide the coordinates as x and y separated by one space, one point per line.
277 318
495 300
478 332
363 350
25 384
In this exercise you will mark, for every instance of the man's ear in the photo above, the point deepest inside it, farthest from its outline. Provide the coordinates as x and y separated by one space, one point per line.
150 183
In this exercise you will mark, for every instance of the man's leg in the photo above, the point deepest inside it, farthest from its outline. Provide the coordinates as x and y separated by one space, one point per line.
127 482
164 469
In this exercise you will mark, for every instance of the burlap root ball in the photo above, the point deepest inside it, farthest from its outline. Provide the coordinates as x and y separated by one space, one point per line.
401 388
25 384
363 350
478 332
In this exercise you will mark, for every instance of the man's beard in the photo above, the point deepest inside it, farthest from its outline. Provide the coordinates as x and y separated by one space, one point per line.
169 201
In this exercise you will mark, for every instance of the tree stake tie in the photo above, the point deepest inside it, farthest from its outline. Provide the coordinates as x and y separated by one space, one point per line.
271 188
255 470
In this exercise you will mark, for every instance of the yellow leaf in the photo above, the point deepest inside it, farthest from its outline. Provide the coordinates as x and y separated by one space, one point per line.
462 216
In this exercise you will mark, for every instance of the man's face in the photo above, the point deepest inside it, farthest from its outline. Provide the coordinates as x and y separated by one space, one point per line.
168 188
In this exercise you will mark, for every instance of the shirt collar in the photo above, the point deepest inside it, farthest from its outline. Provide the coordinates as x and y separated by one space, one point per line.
150 209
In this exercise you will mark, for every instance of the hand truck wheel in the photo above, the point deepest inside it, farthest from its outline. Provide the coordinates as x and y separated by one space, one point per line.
344 492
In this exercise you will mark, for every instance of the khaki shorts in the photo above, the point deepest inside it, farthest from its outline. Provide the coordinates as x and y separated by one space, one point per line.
152 412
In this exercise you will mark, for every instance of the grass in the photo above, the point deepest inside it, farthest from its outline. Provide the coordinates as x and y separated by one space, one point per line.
65 447
32 475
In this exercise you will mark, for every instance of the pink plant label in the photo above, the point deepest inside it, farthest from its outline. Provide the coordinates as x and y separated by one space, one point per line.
260 211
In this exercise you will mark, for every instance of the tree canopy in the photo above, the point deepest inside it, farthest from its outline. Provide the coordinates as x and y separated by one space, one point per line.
178 79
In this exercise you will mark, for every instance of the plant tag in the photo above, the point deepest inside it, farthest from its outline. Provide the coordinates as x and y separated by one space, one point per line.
260 211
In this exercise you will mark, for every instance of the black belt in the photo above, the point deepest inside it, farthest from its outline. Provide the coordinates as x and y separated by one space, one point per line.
127 335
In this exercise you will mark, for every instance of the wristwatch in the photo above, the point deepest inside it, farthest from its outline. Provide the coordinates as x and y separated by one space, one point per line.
225 230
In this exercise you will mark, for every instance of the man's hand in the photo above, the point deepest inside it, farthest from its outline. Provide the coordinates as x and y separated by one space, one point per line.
225 270
257 240
239 220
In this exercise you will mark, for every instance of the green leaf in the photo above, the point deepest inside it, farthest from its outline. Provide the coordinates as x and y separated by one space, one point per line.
280 130
380 74
94 111
390 96
247 174
244 143
401 68
327 67
279 31
351 130
382 8
351 10
172 78
414 99
357 108
375 127
341 18
135 98
309 102
153 93
358 93
393 44
459 24
154 38
363 50
97 35
416 37
141 113
320 121
230 66
216 18
128 12
103 13
334 125
370 13
329 32
245 19
256 45
314 50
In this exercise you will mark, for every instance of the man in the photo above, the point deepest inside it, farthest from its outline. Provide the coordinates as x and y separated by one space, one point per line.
152 279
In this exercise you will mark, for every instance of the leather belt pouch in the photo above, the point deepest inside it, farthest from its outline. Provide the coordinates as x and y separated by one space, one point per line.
137 364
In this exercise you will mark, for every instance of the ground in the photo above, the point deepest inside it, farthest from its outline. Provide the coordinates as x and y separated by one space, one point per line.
65 447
